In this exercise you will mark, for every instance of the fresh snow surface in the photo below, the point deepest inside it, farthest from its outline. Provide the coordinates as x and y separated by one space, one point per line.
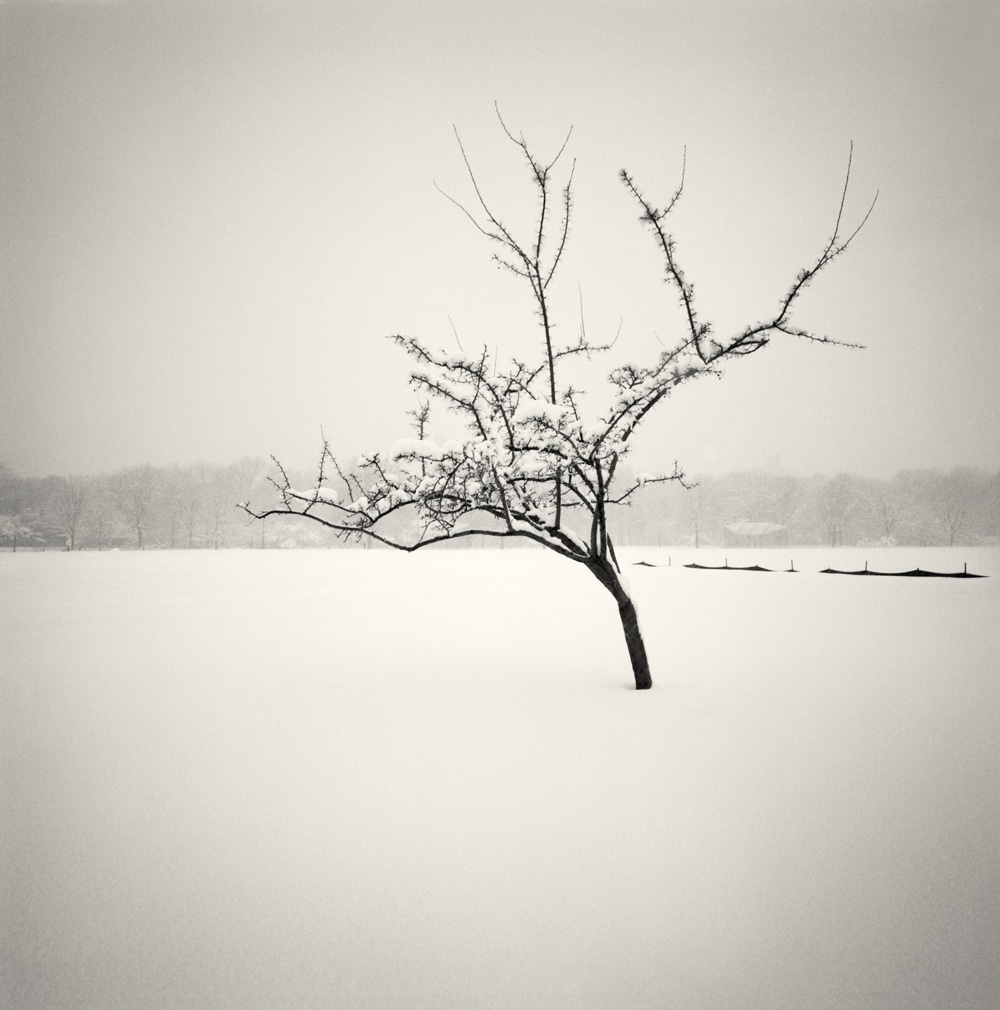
364 779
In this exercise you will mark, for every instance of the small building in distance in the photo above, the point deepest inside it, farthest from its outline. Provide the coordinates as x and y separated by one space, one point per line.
747 534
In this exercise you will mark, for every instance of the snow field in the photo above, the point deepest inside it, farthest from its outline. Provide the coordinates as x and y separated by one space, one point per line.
365 779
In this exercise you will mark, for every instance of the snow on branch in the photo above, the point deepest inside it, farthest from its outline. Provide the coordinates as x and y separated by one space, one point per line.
527 457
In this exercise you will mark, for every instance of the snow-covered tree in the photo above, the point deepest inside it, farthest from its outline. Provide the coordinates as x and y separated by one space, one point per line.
533 462
15 527
13 531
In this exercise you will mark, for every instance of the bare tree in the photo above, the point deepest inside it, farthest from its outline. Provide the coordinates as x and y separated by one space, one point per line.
837 505
531 464
787 493
133 492
241 480
956 500
10 491
104 521
991 511
186 494
750 496
700 507
65 510
886 510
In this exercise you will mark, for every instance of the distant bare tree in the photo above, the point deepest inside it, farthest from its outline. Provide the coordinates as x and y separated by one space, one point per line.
531 464
133 492
992 510
242 481
699 507
787 496
185 493
957 500
886 510
837 504
103 523
952 505
65 510
748 496
10 491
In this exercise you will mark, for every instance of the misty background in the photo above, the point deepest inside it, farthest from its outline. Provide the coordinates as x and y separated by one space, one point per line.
212 215
194 507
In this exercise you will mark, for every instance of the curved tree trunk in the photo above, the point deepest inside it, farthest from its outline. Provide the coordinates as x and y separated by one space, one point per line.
607 575
636 646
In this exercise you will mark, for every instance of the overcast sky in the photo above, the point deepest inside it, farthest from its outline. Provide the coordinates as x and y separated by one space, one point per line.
212 216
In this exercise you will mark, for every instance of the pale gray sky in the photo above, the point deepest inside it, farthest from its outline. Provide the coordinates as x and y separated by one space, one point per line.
213 214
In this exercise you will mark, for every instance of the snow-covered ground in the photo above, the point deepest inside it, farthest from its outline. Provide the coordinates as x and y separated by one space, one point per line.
353 779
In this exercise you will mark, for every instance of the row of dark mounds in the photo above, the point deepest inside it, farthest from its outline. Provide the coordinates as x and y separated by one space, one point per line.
916 572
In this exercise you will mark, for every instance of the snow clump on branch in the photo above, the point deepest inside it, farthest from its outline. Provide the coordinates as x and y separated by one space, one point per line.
415 448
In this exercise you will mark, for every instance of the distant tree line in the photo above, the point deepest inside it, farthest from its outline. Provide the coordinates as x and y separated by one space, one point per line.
142 507
193 507
918 507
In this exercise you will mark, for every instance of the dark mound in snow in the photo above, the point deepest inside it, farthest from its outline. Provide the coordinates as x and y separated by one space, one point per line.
916 572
